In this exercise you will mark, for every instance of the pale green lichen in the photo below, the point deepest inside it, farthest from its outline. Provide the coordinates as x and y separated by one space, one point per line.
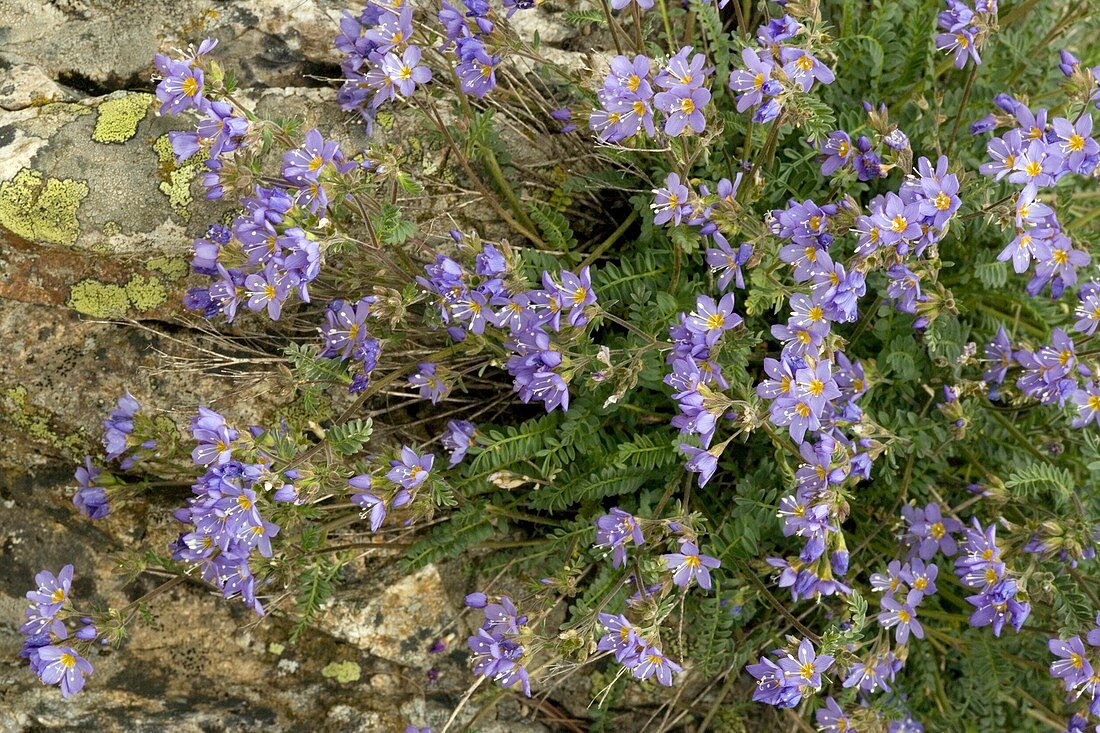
42 210
111 228
34 422
178 188
173 268
145 293
342 672
276 648
162 146
118 118
99 300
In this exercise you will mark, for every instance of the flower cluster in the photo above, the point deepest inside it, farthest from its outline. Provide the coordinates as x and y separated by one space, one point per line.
979 566
794 674
345 336
628 98
47 645
226 524
964 29
866 158
1051 374
628 645
497 645
775 69
120 443
1035 153
903 587
1079 675
407 474
378 61
466 33
474 301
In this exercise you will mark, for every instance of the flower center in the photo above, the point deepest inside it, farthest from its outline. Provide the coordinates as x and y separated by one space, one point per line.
817 313
1076 660
962 40
715 321
58 596
68 661
687 105
802 409
805 63
938 530
920 583
633 82
190 86
1060 256
942 201
405 73
316 162
1033 168
899 224
691 561
1076 143
904 616
1094 403
816 387
758 82
244 502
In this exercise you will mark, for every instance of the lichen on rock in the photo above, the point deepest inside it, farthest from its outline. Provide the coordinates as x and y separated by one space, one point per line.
145 293
41 210
100 300
342 672
119 117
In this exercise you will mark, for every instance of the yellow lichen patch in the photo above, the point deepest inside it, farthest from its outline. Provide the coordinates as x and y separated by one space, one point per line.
173 268
41 210
33 422
118 118
178 188
145 293
342 672
111 228
176 183
100 300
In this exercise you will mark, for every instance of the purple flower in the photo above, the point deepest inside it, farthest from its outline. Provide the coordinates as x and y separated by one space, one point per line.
962 43
431 385
727 262
622 639
929 531
181 87
750 83
458 439
404 72
214 436
806 666
653 663
836 152
614 530
345 327
1088 405
701 462
1071 665
90 499
304 165
710 320
803 68
996 605
52 591
119 425
409 472
901 615
671 202
683 106
363 497
832 719
63 666
688 564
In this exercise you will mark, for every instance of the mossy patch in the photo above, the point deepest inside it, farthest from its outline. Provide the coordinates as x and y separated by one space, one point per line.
173 268
41 209
119 117
108 300
99 300
342 672
111 228
176 183
34 422
145 293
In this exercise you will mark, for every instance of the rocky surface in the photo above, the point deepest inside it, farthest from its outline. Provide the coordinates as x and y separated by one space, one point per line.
96 223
